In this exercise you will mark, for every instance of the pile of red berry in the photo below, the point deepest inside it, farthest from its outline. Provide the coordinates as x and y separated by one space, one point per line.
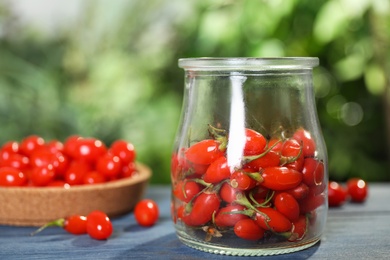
96 224
275 191
355 190
77 161
99 226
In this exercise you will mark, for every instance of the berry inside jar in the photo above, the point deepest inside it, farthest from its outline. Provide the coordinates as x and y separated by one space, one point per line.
271 194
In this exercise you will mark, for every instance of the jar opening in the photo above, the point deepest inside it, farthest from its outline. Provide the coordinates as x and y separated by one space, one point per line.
242 63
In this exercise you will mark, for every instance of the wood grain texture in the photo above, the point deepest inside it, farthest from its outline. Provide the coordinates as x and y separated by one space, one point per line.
354 231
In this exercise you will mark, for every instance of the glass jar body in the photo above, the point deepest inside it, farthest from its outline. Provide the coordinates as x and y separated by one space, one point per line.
249 166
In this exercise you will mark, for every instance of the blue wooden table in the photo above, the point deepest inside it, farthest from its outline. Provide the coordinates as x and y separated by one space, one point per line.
354 231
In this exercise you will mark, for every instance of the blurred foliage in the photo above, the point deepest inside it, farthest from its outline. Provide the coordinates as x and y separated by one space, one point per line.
112 72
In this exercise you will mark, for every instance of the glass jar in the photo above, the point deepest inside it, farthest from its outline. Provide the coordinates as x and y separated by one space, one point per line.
249 166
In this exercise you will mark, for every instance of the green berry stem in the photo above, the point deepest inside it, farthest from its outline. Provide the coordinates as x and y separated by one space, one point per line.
55 223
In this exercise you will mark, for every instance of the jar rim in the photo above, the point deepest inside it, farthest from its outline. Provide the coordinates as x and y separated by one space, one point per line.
248 63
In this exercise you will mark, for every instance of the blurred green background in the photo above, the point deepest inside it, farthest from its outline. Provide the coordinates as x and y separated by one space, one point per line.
108 69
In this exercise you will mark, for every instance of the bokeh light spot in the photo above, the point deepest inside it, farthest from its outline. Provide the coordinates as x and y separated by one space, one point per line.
352 113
